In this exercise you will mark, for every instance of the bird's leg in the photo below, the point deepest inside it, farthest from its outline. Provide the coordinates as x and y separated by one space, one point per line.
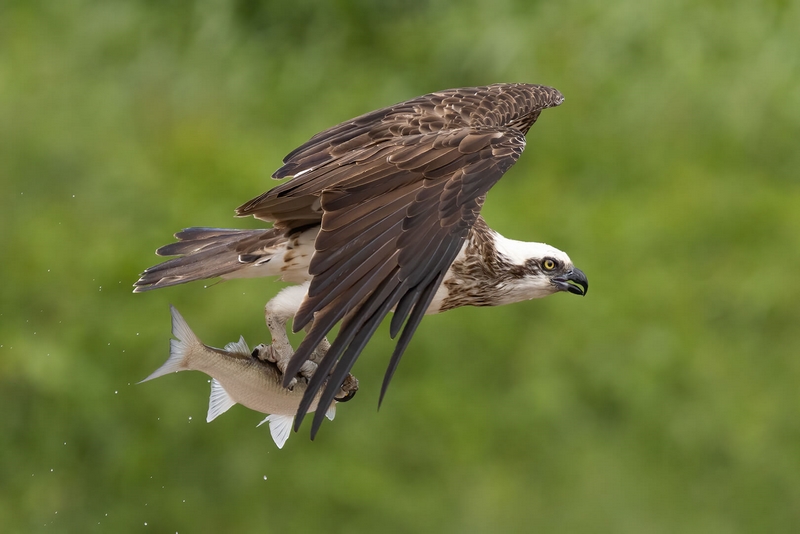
349 386
322 348
277 313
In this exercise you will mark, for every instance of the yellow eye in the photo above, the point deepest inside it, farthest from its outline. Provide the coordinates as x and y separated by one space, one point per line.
548 264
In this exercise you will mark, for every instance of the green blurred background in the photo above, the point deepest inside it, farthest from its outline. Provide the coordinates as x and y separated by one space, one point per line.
667 400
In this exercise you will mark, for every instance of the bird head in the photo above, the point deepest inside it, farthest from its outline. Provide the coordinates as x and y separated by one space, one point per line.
538 270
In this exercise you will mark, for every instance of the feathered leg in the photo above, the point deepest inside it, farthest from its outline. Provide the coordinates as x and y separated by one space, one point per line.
277 314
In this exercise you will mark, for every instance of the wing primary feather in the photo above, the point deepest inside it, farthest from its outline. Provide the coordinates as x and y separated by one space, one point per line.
405 338
346 362
327 319
369 320
402 310
322 325
409 299
311 306
338 219
383 298
319 377
355 335
350 272
431 253
416 316
327 259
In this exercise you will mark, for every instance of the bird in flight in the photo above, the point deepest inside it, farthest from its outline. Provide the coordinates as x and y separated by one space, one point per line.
382 213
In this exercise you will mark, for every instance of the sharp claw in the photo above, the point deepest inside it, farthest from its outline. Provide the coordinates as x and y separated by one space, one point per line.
347 397
350 388
263 352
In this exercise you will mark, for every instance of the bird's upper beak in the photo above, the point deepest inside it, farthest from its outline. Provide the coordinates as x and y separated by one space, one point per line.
574 281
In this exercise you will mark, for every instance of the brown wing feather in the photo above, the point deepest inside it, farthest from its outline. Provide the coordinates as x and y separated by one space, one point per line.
409 234
514 106
395 192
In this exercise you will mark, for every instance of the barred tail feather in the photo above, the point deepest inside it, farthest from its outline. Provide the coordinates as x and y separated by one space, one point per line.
209 253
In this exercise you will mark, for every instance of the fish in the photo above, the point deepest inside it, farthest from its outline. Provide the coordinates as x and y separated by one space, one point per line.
241 376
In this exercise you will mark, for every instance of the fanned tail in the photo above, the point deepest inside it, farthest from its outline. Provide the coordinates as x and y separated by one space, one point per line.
210 253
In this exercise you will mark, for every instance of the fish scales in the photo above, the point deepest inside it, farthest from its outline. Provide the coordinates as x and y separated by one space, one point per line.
242 376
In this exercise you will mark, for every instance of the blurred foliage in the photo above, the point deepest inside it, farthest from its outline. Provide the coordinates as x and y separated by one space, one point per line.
665 401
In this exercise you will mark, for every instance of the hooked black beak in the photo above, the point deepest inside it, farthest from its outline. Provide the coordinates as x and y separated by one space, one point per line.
574 281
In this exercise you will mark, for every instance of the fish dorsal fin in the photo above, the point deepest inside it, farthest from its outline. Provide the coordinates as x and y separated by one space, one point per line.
239 346
331 413
219 402
280 426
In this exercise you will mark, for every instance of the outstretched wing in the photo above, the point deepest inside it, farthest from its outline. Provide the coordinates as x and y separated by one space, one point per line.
397 191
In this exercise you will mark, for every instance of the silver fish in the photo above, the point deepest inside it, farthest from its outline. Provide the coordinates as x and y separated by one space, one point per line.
241 376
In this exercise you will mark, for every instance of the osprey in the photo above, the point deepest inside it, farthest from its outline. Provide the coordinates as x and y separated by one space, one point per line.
382 213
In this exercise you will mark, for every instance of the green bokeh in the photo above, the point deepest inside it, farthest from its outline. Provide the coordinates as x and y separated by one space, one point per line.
667 400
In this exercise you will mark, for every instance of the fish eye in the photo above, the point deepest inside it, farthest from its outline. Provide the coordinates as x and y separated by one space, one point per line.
549 264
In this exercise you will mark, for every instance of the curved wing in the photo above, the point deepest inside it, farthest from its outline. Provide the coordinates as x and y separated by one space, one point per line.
396 192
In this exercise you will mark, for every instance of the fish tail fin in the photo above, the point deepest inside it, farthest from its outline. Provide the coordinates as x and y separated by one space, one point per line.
280 426
178 348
